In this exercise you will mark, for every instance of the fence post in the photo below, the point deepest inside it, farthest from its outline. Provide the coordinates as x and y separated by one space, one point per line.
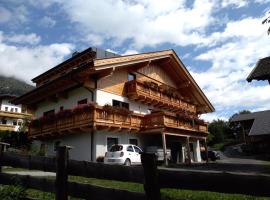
151 185
61 173
2 149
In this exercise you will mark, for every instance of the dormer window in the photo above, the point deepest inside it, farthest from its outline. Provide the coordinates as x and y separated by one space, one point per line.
131 76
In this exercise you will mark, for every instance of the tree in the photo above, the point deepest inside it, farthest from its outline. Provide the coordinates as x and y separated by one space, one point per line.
267 21
219 131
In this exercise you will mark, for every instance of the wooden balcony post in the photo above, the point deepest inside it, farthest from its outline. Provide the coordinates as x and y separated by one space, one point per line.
206 150
164 148
188 151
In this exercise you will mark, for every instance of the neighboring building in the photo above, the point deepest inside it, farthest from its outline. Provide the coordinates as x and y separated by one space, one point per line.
255 129
261 71
11 116
96 99
256 126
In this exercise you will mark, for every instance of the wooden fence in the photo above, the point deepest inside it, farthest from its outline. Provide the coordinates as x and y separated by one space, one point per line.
147 174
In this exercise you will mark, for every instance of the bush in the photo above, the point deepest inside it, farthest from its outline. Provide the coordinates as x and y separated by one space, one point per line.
12 192
100 159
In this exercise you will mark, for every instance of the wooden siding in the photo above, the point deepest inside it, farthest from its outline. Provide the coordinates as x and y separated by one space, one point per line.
15 115
7 127
156 72
114 83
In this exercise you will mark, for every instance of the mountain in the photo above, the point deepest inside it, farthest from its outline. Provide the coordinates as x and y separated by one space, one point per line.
12 86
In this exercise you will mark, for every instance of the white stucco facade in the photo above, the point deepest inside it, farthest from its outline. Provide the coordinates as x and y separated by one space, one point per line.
8 108
103 98
71 101
5 105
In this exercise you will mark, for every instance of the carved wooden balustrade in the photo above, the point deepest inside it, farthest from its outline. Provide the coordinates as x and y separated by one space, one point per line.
7 127
138 91
161 119
85 118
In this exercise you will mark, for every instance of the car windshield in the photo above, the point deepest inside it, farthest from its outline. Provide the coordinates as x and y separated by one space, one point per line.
116 148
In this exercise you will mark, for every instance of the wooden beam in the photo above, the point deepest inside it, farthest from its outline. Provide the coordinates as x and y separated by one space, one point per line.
164 148
188 150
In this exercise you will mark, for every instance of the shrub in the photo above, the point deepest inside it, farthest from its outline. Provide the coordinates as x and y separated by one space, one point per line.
11 192
100 159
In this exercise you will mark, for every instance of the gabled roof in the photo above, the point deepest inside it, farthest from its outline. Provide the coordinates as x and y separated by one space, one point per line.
261 71
100 64
121 61
261 123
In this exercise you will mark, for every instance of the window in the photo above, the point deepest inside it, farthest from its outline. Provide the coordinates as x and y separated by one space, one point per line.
61 108
14 122
120 104
48 113
4 121
130 149
131 77
137 149
11 109
83 101
6 108
133 141
111 141
16 109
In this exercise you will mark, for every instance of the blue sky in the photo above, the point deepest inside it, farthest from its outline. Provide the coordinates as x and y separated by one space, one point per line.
218 40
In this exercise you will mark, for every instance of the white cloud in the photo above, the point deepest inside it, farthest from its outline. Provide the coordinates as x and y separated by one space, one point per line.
241 44
31 39
236 3
27 62
130 52
143 22
47 22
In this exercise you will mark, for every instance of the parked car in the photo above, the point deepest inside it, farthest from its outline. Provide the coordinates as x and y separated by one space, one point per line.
158 151
212 155
123 154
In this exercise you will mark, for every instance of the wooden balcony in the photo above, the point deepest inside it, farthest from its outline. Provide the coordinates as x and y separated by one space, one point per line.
84 121
7 127
171 121
138 91
15 115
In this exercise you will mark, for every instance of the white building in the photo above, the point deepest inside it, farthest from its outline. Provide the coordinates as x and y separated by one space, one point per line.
96 99
11 116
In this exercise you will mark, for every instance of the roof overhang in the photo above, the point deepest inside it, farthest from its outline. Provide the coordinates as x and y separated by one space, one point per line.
125 61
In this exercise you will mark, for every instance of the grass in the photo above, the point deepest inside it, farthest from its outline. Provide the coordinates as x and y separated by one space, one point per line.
168 194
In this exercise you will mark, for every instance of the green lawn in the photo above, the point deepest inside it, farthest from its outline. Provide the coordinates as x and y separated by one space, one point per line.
168 194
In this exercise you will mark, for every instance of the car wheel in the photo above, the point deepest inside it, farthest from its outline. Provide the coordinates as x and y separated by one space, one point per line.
127 162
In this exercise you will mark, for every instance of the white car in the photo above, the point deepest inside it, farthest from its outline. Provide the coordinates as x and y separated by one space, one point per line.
123 154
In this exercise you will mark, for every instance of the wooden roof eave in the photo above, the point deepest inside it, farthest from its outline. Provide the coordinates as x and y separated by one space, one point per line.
30 97
101 64
194 84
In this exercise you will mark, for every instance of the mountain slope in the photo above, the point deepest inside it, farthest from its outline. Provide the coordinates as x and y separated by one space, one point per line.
12 86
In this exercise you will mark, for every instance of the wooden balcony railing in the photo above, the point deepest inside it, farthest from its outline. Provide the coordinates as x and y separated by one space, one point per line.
15 115
137 90
85 118
7 127
170 120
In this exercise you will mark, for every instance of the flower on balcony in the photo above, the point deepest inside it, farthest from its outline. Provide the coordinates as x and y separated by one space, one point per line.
84 107
115 109
64 113
199 121
48 119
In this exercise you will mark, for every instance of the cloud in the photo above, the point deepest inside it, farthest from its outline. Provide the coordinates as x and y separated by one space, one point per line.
27 62
142 22
31 39
236 3
47 22
239 47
